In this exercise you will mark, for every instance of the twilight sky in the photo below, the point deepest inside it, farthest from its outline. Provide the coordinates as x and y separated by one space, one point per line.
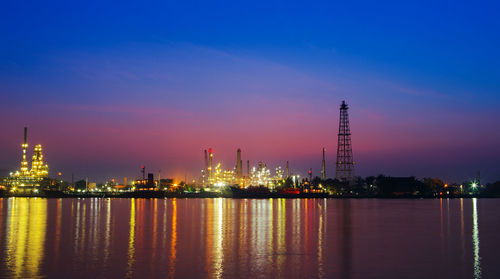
108 87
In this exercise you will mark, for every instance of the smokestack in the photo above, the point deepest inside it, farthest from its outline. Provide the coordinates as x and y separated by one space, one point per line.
248 168
239 166
210 161
24 161
323 169
206 160
287 170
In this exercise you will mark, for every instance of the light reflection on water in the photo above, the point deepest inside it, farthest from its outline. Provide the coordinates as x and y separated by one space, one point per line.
218 238
475 240
173 244
131 239
25 230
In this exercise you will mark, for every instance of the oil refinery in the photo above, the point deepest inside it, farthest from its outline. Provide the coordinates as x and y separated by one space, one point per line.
259 175
26 179
215 177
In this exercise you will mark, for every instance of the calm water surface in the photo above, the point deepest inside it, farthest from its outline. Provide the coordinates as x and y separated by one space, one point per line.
192 238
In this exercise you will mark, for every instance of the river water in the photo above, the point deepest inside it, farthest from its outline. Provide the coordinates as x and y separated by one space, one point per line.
231 238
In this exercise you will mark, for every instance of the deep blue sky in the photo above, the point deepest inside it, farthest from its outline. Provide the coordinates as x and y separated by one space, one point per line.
107 87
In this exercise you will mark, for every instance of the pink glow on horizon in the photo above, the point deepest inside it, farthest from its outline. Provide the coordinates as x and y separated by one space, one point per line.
173 140
165 116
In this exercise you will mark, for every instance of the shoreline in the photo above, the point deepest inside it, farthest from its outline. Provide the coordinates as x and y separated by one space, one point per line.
211 195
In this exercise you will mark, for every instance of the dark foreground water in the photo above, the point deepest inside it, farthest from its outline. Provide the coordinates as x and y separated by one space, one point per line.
192 238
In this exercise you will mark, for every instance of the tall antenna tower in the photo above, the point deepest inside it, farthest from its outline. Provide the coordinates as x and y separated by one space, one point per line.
345 164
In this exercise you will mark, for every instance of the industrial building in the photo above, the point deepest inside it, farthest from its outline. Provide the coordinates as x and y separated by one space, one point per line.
26 179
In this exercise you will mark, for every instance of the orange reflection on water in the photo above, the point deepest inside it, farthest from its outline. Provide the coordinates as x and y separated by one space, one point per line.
229 238
26 236
214 239
173 244
209 235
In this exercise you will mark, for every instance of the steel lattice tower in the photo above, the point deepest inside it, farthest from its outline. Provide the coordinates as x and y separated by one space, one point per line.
345 164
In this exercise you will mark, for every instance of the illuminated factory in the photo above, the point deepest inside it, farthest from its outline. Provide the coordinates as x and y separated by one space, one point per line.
257 176
25 178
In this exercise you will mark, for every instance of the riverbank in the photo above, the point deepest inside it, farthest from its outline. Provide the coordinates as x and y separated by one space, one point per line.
198 195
